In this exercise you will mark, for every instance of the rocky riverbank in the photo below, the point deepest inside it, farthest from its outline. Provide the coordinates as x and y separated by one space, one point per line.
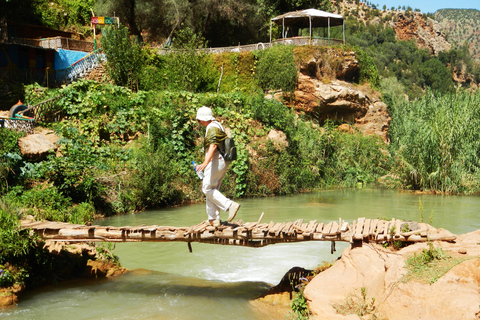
99 263
373 282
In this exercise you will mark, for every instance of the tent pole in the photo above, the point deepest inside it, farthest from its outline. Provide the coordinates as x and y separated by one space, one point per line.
283 30
271 31
328 31
310 39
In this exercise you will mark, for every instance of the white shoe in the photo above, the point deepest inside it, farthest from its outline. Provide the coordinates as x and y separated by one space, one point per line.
232 211
216 223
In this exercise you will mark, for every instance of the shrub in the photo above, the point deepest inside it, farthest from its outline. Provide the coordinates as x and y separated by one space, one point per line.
368 68
276 69
14 242
152 181
184 68
124 56
11 159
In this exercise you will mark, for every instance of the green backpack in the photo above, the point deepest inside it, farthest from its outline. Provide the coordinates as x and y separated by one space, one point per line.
230 151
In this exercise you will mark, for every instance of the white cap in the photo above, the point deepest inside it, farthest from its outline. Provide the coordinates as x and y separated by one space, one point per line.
204 114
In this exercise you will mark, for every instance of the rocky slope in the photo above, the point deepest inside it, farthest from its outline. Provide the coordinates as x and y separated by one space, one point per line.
427 32
461 26
407 24
380 274
325 91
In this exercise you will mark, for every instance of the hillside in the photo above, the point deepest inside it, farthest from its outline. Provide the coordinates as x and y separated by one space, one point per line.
460 26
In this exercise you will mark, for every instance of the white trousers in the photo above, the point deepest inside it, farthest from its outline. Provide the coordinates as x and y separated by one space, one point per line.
212 181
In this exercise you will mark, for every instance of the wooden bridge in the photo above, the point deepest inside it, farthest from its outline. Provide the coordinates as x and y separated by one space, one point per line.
253 234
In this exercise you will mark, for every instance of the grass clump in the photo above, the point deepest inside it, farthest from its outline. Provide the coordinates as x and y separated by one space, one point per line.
358 305
430 265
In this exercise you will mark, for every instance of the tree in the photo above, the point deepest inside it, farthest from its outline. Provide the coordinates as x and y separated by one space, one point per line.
226 22
126 11
124 56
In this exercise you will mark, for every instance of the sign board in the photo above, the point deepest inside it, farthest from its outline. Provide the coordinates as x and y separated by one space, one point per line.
104 20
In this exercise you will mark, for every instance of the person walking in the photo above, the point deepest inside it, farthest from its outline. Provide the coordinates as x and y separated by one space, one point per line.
214 168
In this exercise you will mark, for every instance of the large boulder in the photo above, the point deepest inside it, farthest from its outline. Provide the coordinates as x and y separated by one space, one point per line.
341 101
36 146
379 271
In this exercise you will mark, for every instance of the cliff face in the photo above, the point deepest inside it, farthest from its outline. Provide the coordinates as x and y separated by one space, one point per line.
324 91
426 32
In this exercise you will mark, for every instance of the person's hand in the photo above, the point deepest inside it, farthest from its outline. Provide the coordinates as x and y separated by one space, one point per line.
201 166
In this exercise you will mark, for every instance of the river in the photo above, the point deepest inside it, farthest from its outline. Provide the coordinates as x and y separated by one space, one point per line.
215 281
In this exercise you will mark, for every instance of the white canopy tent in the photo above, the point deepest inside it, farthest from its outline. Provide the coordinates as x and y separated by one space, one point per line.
308 18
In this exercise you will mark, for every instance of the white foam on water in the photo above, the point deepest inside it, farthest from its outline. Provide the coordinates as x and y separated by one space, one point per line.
267 264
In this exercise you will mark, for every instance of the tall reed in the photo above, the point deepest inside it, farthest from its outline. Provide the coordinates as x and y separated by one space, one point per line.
436 142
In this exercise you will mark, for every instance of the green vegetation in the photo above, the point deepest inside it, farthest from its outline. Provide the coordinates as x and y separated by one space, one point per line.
435 143
414 69
23 259
461 27
124 55
430 265
125 151
276 69
299 307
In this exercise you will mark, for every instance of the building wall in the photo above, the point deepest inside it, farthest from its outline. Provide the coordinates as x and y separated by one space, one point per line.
13 56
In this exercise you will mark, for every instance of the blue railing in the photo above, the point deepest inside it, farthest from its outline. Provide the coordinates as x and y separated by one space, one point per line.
78 69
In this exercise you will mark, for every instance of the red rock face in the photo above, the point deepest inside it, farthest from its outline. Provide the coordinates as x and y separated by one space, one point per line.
325 91
426 32
341 101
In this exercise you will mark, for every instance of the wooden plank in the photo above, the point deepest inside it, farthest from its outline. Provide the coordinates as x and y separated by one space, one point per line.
327 229
286 228
366 228
379 230
398 224
279 228
319 228
298 222
261 217
386 229
312 226
334 229
275 227
359 229
31 224
271 224
410 233
373 228
252 234
291 230
298 228
263 227
304 227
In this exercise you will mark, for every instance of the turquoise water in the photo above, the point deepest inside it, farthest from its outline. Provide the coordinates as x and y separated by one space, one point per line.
215 281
